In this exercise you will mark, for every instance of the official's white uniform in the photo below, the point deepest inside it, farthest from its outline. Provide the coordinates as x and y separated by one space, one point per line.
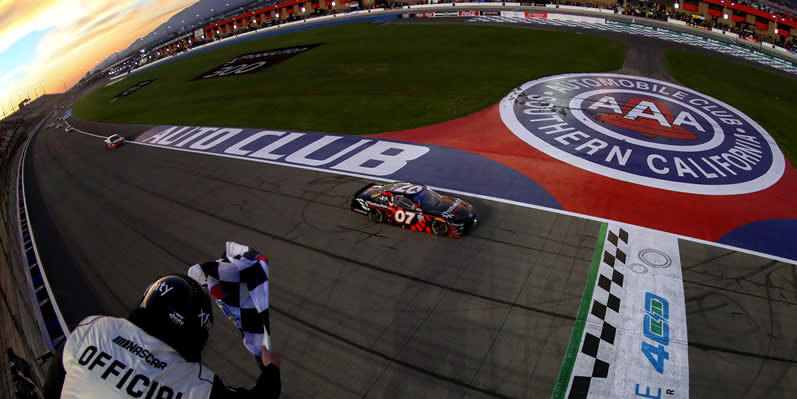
108 357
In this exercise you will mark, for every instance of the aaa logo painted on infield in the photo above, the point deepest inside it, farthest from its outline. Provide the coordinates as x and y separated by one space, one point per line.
644 131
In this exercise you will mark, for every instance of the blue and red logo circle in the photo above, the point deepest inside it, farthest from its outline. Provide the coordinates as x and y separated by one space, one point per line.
644 131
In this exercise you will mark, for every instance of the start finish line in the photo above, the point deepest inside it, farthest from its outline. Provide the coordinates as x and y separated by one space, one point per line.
630 338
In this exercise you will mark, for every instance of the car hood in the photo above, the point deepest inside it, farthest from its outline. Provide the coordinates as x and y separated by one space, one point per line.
453 207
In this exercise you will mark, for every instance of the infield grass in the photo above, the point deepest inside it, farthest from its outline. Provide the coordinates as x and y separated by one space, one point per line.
365 79
768 98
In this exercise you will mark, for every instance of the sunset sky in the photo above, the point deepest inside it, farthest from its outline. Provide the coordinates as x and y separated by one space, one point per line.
52 43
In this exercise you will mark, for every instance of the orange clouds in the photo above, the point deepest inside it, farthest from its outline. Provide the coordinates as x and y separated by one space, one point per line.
80 33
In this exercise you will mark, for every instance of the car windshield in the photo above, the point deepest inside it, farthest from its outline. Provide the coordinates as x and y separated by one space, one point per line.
114 138
427 198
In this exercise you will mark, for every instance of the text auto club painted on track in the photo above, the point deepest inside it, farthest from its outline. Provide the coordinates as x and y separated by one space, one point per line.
644 131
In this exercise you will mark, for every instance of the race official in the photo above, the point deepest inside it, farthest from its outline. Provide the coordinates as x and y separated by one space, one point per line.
153 354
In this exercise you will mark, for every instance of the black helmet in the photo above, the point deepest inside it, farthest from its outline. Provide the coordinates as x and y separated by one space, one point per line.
176 310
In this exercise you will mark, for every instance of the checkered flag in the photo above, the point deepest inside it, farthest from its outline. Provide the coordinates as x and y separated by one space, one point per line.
238 283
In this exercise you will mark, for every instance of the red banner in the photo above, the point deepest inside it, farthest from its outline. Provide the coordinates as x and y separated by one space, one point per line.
762 25
716 13
784 32
690 7
468 13
738 18
536 15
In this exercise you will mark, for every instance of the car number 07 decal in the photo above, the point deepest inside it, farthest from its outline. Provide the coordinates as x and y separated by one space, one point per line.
409 189
403 216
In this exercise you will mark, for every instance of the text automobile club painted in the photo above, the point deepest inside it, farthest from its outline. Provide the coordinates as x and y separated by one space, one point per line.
644 131
416 207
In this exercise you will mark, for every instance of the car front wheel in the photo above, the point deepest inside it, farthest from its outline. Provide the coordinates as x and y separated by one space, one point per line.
376 216
440 228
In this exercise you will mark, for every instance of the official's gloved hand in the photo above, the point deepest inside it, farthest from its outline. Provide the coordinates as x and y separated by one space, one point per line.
269 357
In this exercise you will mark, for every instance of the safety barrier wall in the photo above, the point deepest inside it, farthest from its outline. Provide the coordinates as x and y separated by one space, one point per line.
705 39
582 9
53 327
676 21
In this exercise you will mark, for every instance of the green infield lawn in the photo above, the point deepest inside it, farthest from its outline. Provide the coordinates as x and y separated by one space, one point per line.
767 97
365 78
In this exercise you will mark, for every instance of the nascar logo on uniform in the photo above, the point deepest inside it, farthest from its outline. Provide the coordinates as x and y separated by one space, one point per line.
644 131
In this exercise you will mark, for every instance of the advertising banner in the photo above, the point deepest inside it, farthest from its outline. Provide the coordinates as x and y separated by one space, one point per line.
363 156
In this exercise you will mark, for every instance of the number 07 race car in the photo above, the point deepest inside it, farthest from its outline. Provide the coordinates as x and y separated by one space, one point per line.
415 207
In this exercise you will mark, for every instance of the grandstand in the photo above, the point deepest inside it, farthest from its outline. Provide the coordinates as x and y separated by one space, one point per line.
762 23
250 18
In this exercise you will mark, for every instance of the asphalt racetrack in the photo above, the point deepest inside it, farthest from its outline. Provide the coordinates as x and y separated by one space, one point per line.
359 309
365 310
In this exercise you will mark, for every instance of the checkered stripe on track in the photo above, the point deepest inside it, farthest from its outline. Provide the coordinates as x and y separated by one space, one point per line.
643 32
604 317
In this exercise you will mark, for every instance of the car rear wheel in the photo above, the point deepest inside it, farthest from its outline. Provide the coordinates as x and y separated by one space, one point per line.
440 228
376 216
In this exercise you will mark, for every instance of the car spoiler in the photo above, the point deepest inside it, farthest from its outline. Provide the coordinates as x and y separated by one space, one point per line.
360 191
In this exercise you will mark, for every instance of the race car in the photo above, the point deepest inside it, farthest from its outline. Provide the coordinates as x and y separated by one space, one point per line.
416 207
113 141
